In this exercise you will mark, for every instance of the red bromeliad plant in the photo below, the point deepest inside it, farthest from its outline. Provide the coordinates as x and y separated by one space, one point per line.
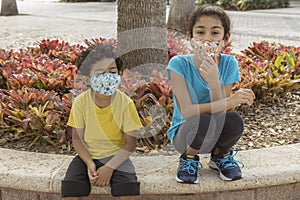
58 50
20 69
145 95
30 112
37 85
271 70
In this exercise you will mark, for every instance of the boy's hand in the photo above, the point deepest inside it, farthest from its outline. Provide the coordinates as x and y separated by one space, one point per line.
92 173
104 176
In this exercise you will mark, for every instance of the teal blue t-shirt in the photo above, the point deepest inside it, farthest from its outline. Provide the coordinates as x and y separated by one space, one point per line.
198 89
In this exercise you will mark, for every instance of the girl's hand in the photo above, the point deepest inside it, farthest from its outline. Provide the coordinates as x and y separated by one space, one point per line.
209 71
242 96
92 172
104 176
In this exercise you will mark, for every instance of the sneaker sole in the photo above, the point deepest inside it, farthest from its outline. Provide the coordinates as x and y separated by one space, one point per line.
213 165
181 181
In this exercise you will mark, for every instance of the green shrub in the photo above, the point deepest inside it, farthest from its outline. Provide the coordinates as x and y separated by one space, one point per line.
246 4
270 70
73 1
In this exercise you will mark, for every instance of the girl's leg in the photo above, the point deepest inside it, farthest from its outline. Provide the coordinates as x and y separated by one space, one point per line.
71 198
196 134
232 131
222 155
189 140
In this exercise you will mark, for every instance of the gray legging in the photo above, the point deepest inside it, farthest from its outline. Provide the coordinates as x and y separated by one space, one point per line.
208 132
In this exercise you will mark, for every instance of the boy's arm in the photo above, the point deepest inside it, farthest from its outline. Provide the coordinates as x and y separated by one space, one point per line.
124 153
105 172
82 151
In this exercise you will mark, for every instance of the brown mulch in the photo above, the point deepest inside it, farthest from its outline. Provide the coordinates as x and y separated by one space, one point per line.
271 124
266 125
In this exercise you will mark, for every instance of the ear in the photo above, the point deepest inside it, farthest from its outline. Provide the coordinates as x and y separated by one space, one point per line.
120 72
85 79
188 34
227 36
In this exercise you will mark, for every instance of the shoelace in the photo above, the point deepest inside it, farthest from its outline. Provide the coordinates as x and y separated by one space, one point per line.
190 166
230 161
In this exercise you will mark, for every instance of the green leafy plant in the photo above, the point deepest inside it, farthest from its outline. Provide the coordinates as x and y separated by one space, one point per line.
270 70
246 4
30 112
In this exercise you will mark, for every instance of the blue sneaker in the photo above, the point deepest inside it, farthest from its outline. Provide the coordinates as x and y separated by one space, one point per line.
229 168
188 169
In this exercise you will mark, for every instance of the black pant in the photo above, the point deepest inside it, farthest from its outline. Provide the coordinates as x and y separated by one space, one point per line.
77 184
208 132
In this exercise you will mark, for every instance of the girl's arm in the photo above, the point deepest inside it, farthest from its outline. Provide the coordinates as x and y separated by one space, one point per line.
187 108
221 99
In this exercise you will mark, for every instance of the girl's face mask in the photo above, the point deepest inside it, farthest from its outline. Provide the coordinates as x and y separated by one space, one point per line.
206 48
105 84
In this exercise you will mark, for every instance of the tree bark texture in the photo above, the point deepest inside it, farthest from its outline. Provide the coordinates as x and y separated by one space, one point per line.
142 42
180 11
9 8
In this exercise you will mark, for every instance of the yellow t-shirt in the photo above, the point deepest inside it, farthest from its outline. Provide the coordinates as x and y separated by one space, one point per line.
104 127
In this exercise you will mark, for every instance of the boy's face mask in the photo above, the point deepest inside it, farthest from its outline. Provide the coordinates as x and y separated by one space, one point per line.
105 84
206 48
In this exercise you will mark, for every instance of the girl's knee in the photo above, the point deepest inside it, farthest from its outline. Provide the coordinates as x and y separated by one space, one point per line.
235 121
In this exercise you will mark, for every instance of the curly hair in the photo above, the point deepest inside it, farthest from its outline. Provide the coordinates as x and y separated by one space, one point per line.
209 10
93 54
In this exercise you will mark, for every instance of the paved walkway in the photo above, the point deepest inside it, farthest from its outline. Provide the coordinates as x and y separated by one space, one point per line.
75 22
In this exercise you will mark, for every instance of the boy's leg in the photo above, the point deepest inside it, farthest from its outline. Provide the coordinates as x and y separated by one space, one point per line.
76 182
124 182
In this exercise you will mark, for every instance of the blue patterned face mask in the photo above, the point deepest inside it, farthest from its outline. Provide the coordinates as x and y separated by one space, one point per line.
105 84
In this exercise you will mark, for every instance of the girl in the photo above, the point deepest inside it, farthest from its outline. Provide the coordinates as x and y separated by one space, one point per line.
202 83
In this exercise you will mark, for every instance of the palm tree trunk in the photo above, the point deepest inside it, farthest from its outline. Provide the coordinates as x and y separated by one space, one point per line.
9 7
142 42
179 14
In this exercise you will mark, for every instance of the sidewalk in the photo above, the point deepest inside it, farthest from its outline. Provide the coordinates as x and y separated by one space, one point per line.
74 22
269 173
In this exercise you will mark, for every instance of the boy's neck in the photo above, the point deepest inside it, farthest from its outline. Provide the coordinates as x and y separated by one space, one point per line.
101 100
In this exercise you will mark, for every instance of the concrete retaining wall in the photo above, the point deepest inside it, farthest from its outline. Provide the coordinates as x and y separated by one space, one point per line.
271 173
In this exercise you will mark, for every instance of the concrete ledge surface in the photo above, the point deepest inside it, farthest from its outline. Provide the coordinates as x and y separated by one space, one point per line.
264 168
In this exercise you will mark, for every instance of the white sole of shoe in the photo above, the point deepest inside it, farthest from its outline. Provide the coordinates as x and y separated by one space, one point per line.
180 181
213 165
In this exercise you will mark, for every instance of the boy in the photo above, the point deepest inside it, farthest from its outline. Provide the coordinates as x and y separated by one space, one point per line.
104 121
